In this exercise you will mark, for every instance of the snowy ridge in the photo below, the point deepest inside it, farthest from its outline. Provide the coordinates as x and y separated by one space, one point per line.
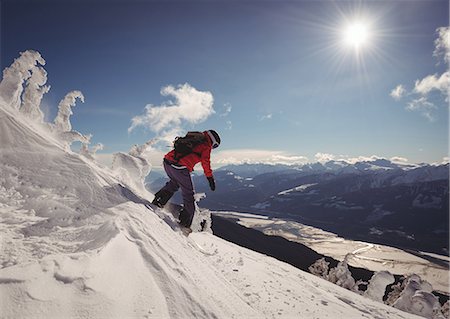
384 167
78 240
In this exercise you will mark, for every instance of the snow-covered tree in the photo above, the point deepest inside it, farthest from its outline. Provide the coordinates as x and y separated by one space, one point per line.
34 91
414 296
62 120
90 152
377 285
320 268
14 76
341 276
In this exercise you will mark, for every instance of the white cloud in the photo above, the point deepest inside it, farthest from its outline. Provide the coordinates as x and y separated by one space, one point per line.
254 156
398 92
169 135
442 44
190 106
423 87
399 159
423 106
433 82
229 125
227 110
326 157
266 117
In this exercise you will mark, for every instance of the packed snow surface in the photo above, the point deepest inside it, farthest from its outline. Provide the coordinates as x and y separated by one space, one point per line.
80 241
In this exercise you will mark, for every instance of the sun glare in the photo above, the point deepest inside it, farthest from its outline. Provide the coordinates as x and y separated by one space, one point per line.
356 35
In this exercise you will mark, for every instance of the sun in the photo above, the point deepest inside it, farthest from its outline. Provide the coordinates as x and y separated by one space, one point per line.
356 35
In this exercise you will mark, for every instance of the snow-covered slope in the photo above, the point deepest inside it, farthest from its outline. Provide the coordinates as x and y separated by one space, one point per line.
77 241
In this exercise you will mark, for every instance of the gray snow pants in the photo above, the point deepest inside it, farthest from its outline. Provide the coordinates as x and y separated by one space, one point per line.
181 178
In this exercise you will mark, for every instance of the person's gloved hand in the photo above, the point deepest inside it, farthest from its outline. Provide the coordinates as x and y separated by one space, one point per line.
212 183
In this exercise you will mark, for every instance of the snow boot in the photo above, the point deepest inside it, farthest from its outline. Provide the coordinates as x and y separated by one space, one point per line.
161 198
185 219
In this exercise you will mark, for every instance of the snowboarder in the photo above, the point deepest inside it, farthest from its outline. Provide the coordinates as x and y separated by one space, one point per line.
189 150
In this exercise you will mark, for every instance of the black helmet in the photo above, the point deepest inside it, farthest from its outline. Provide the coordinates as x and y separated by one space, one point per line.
215 139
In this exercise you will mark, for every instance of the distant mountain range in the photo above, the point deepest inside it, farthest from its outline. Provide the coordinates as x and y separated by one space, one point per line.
403 205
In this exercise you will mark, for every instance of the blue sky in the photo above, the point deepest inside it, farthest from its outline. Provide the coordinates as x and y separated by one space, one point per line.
284 84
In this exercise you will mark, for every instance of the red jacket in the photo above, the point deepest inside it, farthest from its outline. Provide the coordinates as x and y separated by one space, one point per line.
192 159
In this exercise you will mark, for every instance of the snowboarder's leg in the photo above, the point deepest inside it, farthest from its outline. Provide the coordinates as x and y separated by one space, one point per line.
181 178
187 189
165 193
172 185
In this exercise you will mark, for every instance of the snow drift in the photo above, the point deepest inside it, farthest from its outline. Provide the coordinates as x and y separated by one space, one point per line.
79 241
